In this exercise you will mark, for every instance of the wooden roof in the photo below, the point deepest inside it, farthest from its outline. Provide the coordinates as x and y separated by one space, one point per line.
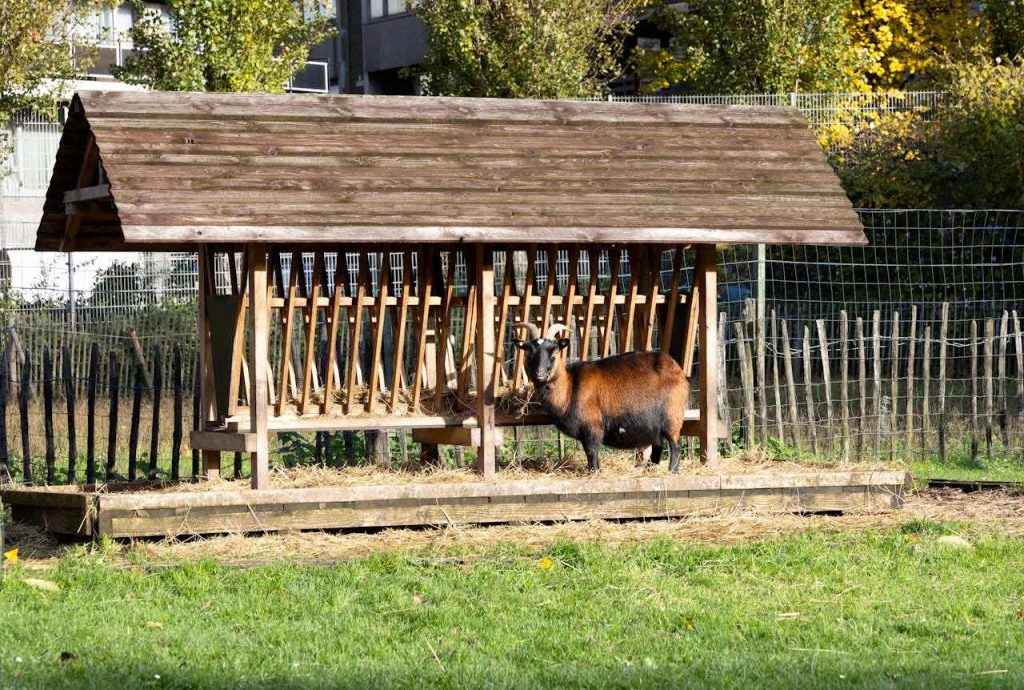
186 168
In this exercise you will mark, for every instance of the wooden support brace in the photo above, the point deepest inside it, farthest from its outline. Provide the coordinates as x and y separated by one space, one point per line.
484 269
259 327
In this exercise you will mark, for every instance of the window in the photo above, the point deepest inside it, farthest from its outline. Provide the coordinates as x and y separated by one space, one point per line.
387 8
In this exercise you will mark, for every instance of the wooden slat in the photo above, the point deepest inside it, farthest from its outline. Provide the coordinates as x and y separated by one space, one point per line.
376 364
426 287
309 362
518 372
397 380
333 323
355 320
650 308
443 330
614 259
507 284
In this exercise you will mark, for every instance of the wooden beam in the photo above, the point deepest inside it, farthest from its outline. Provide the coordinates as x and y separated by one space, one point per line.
223 441
259 327
207 396
454 436
94 193
706 275
484 265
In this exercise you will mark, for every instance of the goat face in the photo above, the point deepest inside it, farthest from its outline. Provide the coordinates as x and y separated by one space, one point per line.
543 358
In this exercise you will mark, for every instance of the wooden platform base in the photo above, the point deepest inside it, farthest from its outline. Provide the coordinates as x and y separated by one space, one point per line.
129 511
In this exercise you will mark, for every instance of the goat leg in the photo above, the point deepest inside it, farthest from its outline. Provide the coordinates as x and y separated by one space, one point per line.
674 453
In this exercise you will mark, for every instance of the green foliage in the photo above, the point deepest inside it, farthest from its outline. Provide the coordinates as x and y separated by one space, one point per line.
749 46
966 156
35 57
1004 20
223 45
514 49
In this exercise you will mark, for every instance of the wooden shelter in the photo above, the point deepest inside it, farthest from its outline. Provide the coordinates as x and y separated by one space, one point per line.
329 227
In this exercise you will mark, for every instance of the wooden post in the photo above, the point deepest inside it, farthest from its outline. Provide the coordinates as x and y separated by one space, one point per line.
812 418
775 375
24 392
762 388
51 458
114 392
826 376
989 347
787 360
942 381
178 404
844 381
748 385
1018 342
876 353
485 394
154 429
259 328
911 348
1004 337
90 436
926 373
894 371
974 390
706 274
69 396
204 375
862 376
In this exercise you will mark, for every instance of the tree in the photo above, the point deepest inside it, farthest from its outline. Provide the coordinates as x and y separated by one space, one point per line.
517 49
223 45
1004 22
36 59
749 46
899 43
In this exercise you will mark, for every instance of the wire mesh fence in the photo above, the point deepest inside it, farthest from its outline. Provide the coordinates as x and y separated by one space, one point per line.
910 346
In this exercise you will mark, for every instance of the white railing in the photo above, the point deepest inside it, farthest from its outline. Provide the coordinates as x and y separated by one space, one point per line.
313 66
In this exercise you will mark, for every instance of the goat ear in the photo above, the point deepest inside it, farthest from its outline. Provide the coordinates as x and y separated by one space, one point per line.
563 343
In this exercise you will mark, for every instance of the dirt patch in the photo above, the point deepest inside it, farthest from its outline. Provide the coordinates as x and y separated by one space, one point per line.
982 510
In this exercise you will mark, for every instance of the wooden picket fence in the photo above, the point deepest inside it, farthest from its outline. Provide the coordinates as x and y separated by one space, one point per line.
880 389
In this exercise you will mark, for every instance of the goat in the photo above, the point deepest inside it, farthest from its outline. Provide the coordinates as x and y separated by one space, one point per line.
632 400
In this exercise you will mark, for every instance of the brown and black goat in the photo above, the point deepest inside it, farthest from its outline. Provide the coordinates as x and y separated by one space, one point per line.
632 400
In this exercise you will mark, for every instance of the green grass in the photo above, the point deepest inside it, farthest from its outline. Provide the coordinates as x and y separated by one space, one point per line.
1002 466
821 609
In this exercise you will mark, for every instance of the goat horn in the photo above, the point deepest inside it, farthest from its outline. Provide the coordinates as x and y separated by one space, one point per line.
531 328
554 329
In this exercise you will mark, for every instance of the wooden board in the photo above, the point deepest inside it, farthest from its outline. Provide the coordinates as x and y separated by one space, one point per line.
123 514
200 168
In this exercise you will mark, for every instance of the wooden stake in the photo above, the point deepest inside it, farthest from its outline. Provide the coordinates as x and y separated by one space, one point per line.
812 421
894 371
826 375
154 432
943 329
974 390
69 397
989 345
862 376
911 343
776 384
844 382
90 435
876 319
748 386
1001 393
787 360
51 457
926 372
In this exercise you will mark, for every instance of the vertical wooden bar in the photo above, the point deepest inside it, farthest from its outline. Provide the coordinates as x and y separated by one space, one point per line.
989 346
133 435
1001 378
424 291
467 351
776 384
812 421
569 305
787 360
926 373
5 468
724 408
876 318
238 348
593 261
844 382
311 313
507 283
51 456
69 397
894 382
90 436
550 287
862 376
287 326
650 312
154 433
974 390
355 330
24 392
1018 350
376 364
114 393
826 375
484 278
399 335
197 373
748 385
626 334
443 330
333 323
178 404
911 356
706 271
614 259
204 374
672 304
762 384
259 327
943 329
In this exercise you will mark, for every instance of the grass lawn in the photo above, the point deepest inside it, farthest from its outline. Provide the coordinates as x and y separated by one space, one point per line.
871 609
961 467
